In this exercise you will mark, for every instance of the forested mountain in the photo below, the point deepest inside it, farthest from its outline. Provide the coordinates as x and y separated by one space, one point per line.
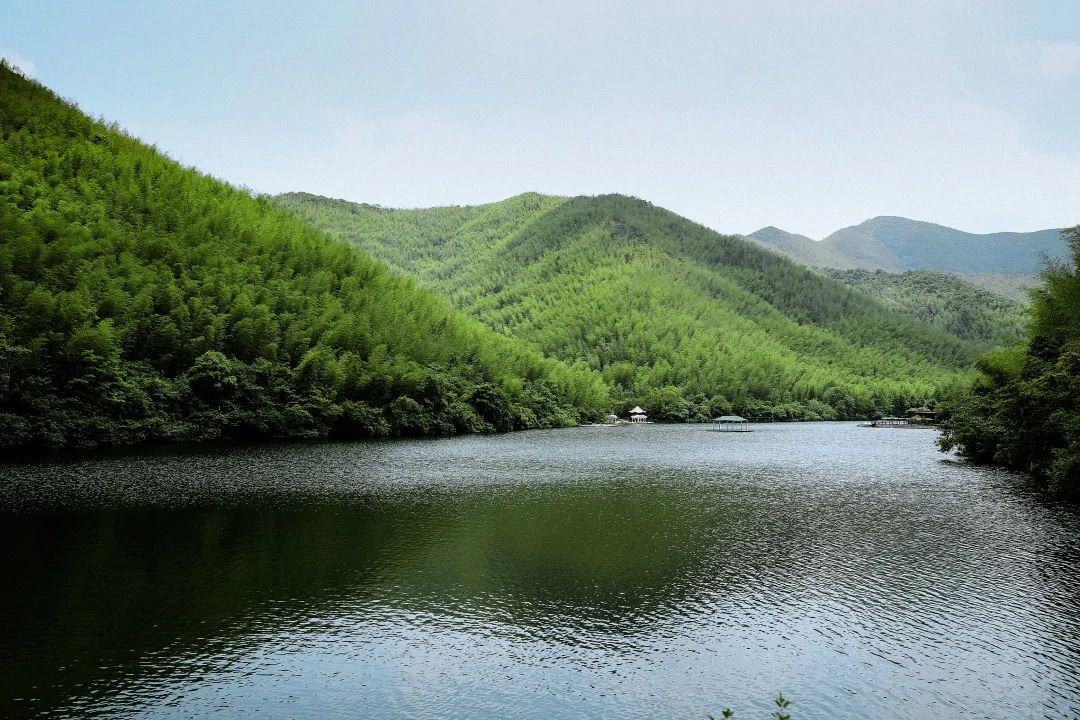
1004 263
678 318
942 300
143 300
1024 410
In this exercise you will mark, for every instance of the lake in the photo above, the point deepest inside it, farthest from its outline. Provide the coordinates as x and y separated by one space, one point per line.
632 572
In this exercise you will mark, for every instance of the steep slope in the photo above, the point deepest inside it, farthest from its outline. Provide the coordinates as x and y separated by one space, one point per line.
677 317
142 300
943 300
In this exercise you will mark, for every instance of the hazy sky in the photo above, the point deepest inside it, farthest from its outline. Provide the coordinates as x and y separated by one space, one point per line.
806 115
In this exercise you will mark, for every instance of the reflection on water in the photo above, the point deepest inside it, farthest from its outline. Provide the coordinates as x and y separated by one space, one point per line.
631 572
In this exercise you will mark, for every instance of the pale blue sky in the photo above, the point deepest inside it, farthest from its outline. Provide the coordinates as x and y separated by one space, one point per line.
808 116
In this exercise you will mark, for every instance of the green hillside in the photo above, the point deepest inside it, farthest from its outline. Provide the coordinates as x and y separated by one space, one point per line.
142 300
678 318
942 300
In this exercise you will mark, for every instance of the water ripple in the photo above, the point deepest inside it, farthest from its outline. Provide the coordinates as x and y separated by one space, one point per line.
639 572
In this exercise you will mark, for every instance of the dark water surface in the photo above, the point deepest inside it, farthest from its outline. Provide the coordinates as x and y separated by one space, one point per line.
658 571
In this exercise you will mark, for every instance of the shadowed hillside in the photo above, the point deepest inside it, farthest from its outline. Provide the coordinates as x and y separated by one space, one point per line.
942 300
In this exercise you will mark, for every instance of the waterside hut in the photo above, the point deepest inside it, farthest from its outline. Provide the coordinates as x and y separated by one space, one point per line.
637 415
915 418
922 415
732 423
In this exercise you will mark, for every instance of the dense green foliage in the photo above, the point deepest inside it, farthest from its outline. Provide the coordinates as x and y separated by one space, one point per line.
684 321
1024 410
141 300
942 300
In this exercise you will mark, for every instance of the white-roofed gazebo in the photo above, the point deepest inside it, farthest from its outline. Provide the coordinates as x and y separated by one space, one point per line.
732 423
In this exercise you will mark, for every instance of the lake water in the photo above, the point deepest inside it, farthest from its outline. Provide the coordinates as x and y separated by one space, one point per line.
635 572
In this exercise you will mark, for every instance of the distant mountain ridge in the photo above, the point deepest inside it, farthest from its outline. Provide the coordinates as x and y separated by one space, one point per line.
896 244
799 247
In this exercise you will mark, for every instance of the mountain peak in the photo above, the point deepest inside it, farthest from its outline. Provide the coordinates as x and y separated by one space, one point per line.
890 242
773 232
